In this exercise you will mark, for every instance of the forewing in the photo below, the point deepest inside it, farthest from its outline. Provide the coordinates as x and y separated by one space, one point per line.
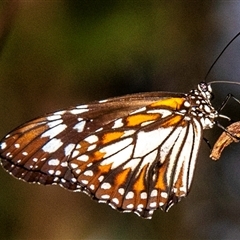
38 151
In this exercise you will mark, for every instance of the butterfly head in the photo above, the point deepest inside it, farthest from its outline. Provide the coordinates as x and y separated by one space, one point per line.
205 90
200 105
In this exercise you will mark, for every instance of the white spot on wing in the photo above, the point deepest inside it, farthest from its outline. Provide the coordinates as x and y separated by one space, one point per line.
130 195
133 163
121 191
153 204
130 206
58 172
91 147
154 193
64 164
73 165
75 153
100 129
143 109
105 196
106 186
83 158
51 172
163 112
8 154
128 133
3 145
82 106
88 173
119 158
116 147
17 145
53 162
143 195
100 178
53 117
164 194
68 149
80 126
91 139
140 207
85 182
75 180
148 141
146 123
103 101
54 123
51 133
52 146
118 123
115 200
60 112
79 110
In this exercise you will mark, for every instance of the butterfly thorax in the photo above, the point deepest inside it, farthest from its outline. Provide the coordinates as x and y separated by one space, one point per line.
199 103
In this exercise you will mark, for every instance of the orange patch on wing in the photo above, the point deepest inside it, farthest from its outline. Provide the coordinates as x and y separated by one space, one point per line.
172 121
84 146
179 183
111 136
174 103
139 184
94 157
25 139
104 168
179 180
97 155
35 126
121 177
134 120
161 183
28 136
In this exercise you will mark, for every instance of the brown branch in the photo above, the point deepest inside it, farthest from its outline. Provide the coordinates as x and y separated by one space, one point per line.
225 139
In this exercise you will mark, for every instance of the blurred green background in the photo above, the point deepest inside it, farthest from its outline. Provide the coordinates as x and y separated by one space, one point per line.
63 53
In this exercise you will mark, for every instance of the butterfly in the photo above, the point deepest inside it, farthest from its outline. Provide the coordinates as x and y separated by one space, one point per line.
137 153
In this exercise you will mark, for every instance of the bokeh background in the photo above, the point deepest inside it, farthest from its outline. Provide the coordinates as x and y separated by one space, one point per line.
62 53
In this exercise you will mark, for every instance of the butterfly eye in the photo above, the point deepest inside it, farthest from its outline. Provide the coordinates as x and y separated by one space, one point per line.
203 87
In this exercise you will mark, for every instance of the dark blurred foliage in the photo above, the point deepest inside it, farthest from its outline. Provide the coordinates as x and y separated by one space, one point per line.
63 53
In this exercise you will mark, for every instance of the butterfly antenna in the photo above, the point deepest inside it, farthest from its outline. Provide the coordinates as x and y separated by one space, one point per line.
220 55
227 82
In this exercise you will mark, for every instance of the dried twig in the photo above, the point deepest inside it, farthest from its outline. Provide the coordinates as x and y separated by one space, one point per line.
226 138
